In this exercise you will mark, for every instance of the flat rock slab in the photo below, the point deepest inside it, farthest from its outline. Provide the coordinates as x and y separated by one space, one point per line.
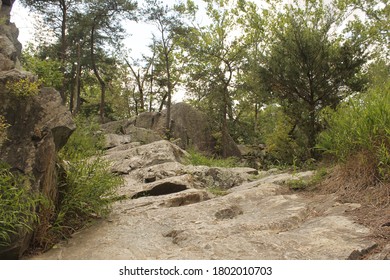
253 221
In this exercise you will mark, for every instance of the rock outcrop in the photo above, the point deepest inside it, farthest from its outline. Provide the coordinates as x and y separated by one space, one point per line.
170 211
10 47
189 127
39 125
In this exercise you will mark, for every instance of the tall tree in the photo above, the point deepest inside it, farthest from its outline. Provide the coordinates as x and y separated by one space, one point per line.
170 23
309 66
56 14
216 56
103 21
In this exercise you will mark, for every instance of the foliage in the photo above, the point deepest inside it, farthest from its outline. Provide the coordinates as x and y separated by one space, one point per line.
87 191
86 186
23 87
217 191
197 158
307 68
361 125
85 142
47 70
17 205
304 184
3 129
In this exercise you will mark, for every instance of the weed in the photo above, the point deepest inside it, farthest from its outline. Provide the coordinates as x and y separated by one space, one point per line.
197 158
23 87
17 205
306 184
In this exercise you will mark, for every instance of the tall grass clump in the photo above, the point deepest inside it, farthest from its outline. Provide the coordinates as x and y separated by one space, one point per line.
86 186
359 132
17 205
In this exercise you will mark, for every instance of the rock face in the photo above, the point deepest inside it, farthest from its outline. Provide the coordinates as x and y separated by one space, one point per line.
169 211
10 47
39 126
189 126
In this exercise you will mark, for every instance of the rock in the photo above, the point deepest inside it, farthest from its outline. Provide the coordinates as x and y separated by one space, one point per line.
39 127
248 223
154 153
190 128
10 48
114 140
126 130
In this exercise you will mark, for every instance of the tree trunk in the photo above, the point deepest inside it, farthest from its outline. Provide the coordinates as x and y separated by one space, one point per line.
225 130
78 83
312 133
63 48
101 81
169 97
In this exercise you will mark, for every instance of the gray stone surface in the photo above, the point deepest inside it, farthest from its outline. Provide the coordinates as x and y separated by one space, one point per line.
254 220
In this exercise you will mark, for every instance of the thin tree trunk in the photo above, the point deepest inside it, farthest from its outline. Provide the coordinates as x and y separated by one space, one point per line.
63 48
78 79
101 81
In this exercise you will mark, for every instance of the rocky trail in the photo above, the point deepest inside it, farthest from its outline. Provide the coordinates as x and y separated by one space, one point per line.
172 211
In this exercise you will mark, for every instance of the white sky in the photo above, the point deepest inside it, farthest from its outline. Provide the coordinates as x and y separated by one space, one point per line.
139 34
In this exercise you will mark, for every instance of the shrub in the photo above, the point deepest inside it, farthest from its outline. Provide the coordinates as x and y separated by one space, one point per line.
23 87
361 126
87 190
17 205
85 141
285 144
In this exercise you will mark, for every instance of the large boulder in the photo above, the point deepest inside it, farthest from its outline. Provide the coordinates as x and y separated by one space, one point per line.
39 126
190 128
123 131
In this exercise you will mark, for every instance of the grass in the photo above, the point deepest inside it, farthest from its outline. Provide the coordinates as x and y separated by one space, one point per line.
17 205
301 184
217 191
87 188
197 159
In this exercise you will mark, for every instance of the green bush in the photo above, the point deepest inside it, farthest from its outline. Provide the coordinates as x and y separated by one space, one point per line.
23 87
87 190
361 125
17 205
85 141
285 144
87 186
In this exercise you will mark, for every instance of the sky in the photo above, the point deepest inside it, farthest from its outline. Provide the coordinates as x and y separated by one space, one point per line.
139 34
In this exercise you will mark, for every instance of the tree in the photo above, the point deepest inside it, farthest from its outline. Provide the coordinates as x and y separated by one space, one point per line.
216 57
57 12
171 26
140 80
103 20
308 66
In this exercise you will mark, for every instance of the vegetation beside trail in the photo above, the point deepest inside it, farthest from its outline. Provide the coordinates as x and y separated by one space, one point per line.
86 187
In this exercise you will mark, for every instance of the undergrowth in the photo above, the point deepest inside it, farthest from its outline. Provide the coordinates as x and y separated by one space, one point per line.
17 205
360 130
86 187
197 158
